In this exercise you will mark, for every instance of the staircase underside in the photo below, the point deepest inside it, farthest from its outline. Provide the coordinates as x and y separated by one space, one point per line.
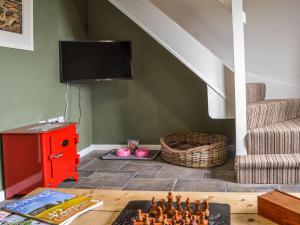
180 35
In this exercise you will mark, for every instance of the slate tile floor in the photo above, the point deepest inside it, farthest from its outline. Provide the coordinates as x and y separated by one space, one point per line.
158 175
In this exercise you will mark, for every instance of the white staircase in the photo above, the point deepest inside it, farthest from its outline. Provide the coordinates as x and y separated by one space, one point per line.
187 39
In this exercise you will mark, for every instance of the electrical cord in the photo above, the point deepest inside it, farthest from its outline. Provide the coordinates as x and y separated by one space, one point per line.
66 102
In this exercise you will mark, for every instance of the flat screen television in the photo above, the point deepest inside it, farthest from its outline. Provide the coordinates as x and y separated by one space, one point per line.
84 61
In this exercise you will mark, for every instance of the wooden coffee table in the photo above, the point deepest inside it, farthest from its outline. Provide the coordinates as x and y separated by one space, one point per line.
243 205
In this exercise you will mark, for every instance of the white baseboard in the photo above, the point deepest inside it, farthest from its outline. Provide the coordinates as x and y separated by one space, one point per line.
86 151
2 196
96 147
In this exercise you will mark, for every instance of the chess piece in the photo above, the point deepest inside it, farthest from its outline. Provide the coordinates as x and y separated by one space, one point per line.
186 217
193 221
170 208
146 220
203 220
162 205
134 221
139 217
174 222
206 208
178 203
197 208
182 222
188 205
153 210
165 220
176 216
159 215
152 222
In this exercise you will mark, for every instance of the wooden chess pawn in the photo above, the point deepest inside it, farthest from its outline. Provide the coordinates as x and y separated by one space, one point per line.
153 210
203 220
188 205
165 220
193 221
178 203
182 222
186 217
170 208
159 215
206 208
174 222
162 205
139 217
146 220
176 216
152 222
197 208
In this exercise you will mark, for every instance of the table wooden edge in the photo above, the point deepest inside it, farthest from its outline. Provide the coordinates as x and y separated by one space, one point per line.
243 204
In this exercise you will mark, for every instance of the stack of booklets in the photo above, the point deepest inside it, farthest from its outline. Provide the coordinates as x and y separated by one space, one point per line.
47 207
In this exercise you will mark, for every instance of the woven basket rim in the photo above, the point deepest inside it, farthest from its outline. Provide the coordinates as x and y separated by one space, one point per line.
223 139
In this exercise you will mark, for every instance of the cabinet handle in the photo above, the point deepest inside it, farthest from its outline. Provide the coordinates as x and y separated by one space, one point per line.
51 157
65 143
58 155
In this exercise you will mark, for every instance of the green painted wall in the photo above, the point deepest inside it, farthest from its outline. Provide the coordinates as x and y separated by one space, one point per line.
163 97
29 81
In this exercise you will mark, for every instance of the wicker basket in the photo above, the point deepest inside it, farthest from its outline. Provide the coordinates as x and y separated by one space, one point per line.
203 150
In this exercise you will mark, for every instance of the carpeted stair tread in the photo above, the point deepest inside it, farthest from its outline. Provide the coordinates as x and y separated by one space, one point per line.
279 138
255 92
269 161
268 169
268 112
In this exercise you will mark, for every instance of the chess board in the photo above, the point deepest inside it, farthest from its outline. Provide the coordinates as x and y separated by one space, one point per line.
219 213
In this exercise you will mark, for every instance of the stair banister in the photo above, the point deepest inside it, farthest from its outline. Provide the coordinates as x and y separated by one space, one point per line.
240 76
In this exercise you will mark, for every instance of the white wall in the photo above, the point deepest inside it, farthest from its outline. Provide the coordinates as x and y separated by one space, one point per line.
273 45
272 36
206 20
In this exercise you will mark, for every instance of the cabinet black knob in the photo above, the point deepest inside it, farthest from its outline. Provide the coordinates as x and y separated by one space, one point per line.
65 143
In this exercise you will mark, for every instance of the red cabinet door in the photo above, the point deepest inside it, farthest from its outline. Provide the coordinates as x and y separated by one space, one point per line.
63 155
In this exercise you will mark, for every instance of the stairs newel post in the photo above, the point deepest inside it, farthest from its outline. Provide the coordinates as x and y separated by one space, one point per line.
240 75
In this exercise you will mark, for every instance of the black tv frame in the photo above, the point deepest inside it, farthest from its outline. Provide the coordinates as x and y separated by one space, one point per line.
92 80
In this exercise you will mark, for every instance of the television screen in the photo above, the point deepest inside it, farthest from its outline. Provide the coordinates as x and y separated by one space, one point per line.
83 61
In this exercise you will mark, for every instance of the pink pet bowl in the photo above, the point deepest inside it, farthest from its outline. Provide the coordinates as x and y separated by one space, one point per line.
142 152
123 152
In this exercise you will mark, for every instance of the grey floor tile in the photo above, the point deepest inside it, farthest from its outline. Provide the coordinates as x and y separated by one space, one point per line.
228 165
219 175
290 187
265 187
108 179
85 173
84 161
235 187
144 170
146 184
140 167
70 183
172 171
99 164
200 185
226 175
113 174
146 174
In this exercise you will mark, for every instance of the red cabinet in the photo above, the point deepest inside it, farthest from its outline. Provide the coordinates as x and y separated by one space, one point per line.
39 155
